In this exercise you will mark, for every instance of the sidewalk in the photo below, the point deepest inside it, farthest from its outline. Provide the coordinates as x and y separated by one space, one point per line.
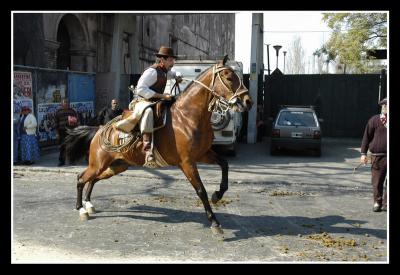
251 163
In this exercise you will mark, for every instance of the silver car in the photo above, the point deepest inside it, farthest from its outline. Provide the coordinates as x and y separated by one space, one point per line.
296 127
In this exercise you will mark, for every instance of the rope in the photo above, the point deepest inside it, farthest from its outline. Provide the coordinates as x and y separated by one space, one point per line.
105 143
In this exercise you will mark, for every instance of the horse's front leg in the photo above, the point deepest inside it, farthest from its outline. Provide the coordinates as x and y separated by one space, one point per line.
213 158
192 174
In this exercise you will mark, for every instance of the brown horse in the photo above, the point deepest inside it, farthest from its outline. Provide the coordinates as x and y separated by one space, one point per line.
185 140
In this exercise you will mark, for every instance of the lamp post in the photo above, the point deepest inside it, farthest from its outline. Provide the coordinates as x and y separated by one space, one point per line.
277 48
284 61
268 57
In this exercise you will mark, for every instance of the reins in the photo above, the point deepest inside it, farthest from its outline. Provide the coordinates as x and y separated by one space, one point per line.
219 103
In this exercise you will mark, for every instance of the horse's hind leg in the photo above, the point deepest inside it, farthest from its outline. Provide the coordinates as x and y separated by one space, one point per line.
212 158
86 176
89 175
192 174
113 170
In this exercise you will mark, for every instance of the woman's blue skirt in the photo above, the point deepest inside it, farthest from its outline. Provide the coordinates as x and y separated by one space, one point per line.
29 148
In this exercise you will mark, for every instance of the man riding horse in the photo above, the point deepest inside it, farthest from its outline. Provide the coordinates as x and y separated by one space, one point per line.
150 88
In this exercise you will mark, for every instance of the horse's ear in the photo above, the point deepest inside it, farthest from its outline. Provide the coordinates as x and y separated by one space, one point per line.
225 59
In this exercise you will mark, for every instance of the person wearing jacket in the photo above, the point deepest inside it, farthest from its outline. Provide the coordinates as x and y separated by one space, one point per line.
27 130
374 140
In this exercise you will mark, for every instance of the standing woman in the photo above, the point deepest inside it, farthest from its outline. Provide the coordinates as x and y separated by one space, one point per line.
28 143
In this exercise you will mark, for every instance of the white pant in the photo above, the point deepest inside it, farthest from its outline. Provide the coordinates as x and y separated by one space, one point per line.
147 121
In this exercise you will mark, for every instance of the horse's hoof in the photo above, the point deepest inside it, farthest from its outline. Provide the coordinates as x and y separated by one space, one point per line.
217 230
91 210
89 207
84 216
214 198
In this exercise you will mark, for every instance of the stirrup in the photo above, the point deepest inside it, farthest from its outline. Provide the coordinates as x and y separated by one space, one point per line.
150 161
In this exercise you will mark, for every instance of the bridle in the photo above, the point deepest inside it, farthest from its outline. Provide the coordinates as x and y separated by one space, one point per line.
219 103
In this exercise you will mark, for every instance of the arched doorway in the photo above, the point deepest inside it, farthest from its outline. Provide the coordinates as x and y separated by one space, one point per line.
73 51
63 54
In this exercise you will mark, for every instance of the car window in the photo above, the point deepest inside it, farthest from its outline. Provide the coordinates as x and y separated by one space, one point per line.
297 118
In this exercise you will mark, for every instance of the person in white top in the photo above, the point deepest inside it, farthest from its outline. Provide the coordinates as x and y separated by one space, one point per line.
29 144
150 88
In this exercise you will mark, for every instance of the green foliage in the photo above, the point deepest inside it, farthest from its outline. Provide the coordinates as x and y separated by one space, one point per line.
354 34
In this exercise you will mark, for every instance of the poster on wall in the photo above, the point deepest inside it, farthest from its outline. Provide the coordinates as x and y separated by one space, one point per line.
22 91
47 122
85 111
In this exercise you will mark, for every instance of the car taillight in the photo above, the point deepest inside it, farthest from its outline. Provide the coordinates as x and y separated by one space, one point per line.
275 133
317 134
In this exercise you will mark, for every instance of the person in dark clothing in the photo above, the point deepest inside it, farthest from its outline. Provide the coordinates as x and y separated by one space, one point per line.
65 118
108 113
374 140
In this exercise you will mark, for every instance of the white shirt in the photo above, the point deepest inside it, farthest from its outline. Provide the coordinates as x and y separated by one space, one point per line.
30 124
148 79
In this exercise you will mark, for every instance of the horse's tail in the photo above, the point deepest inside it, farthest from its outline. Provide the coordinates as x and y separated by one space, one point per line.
77 142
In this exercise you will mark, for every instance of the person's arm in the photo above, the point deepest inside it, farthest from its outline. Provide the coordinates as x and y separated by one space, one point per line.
78 121
367 137
100 118
148 78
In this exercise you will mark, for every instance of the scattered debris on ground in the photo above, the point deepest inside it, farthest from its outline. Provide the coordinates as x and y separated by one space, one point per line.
328 241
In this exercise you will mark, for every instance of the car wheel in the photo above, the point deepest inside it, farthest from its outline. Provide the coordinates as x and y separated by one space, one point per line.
220 121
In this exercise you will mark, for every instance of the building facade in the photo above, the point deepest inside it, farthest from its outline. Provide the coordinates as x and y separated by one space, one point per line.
115 46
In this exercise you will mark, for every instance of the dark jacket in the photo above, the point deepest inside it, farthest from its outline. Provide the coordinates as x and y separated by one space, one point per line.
107 114
62 118
374 137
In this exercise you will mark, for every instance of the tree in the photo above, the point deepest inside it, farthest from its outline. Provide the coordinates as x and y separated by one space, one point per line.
353 35
295 62
324 56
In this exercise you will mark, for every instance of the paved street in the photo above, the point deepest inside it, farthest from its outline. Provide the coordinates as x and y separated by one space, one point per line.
288 208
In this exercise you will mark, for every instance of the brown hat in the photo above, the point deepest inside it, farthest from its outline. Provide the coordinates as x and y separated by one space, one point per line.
383 101
166 52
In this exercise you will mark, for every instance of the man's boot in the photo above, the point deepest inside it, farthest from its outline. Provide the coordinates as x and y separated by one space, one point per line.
147 147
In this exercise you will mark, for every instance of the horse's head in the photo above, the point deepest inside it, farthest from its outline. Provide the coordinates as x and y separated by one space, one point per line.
227 84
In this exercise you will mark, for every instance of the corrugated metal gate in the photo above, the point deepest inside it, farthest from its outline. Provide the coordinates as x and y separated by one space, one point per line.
345 102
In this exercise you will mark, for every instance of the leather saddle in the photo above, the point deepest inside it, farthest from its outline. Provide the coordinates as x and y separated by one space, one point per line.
160 111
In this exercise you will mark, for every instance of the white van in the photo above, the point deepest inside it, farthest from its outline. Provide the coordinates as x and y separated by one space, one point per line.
226 127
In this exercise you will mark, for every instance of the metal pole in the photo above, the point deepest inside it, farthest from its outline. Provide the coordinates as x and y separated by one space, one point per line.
255 66
269 71
380 84
284 61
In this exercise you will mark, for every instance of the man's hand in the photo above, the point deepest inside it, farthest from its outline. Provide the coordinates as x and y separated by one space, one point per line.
364 159
178 79
167 97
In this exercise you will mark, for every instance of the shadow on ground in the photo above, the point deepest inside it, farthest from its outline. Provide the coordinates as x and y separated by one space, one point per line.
245 227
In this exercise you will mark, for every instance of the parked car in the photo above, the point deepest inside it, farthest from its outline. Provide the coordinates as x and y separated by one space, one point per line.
226 127
296 127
